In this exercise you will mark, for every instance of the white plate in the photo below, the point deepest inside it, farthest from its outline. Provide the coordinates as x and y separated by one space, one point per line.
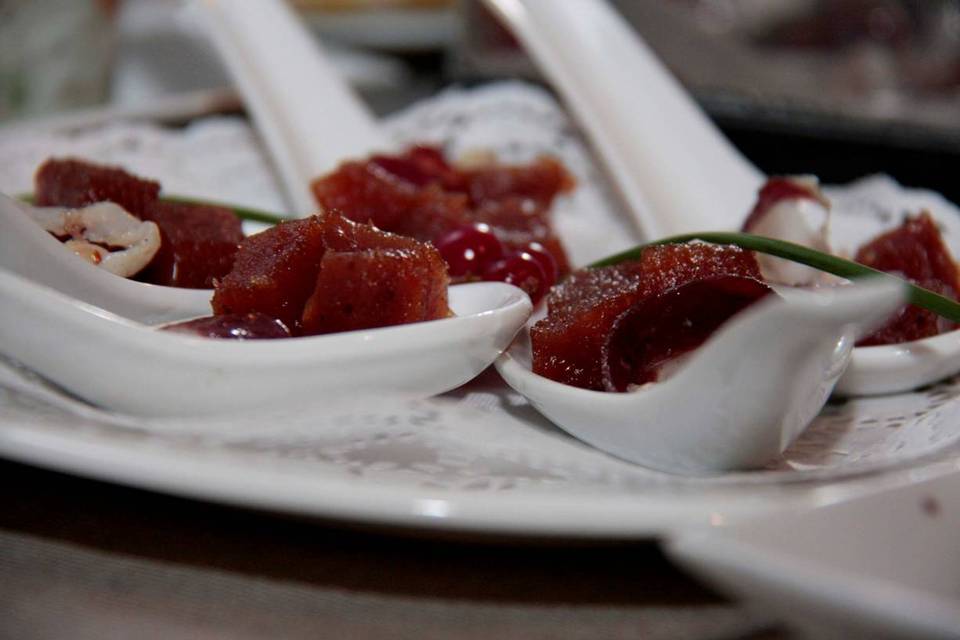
479 458
880 566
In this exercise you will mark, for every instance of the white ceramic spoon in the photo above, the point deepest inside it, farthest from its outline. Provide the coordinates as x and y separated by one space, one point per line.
95 340
676 171
739 400
134 368
303 109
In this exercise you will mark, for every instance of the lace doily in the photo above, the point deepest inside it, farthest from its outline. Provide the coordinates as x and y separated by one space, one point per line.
483 436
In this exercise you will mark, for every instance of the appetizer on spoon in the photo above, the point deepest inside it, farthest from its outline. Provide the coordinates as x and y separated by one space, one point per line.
132 367
98 336
676 171
735 403
628 340
310 276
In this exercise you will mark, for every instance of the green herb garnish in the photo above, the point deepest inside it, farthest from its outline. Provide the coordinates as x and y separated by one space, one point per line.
918 296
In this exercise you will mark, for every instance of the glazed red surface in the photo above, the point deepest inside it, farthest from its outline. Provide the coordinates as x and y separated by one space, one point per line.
369 278
198 242
76 183
419 194
540 181
239 326
914 250
663 326
274 272
577 341
421 165
366 192
328 273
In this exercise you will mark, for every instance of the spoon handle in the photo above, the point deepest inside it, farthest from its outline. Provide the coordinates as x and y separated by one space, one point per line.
675 170
308 116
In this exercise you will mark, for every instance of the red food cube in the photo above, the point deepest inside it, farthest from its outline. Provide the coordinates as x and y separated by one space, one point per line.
365 192
328 273
431 161
665 325
198 244
274 272
370 278
572 344
75 183
421 166
541 181
375 288
343 234
420 195
567 344
914 250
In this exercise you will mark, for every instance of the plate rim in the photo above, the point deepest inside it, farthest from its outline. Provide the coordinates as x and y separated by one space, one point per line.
536 513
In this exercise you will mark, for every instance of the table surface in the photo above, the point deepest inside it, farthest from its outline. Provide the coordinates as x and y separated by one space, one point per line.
102 560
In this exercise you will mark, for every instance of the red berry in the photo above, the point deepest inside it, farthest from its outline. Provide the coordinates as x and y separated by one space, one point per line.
545 259
468 250
521 270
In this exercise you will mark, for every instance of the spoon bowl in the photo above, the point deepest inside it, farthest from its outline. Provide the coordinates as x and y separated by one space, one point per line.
901 367
739 400
134 368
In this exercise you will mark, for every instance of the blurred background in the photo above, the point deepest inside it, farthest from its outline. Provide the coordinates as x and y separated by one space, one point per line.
839 87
